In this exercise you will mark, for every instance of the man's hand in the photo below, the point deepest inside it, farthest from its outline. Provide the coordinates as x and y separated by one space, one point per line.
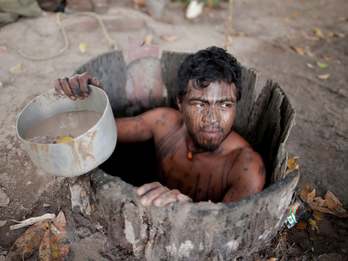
159 196
76 86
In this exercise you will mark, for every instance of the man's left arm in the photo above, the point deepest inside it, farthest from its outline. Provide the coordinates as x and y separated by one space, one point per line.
246 176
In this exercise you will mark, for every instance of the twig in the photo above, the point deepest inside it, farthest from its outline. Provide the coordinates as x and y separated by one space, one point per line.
229 25
112 44
33 220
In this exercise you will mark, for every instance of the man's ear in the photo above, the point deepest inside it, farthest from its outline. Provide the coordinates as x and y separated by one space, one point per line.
178 103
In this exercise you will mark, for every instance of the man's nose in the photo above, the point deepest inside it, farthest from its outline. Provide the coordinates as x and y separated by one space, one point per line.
212 116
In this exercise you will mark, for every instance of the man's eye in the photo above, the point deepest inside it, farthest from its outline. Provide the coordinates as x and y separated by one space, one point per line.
198 105
227 105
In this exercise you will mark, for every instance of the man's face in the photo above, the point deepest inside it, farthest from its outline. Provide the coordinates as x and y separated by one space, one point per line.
209 113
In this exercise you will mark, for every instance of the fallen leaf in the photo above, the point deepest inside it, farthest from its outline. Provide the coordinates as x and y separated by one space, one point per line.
212 3
54 244
241 34
28 242
330 204
169 38
3 49
272 259
322 65
64 139
343 19
139 2
318 33
83 47
299 50
292 164
310 65
317 215
194 9
18 68
336 35
2 223
324 76
335 205
313 224
49 238
307 194
148 39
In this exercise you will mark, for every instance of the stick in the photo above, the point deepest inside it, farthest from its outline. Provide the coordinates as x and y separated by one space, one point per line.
229 25
33 220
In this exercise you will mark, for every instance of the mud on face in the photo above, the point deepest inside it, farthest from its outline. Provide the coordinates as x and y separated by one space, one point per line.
209 112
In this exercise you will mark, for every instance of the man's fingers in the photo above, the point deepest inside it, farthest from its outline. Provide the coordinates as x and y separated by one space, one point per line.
149 197
75 87
83 81
166 198
95 82
183 198
147 187
58 87
66 88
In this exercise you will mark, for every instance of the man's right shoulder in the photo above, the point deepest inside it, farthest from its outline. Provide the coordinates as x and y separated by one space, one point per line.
165 117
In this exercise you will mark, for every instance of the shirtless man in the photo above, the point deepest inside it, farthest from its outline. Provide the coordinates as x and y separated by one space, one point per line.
200 157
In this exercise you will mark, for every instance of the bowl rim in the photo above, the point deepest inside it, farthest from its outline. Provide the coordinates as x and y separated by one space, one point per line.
53 91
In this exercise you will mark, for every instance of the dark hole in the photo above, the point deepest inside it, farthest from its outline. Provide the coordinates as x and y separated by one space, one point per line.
135 163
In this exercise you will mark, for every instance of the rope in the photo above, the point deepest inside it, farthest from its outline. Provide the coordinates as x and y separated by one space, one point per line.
112 44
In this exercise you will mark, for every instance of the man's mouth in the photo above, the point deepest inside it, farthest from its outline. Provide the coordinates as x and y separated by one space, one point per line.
211 130
211 133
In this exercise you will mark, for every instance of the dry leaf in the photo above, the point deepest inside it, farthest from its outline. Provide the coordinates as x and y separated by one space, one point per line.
194 9
148 39
310 65
299 50
49 238
330 204
307 194
83 47
313 224
324 76
28 242
318 33
139 2
292 164
3 49
64 139
169 38
18 68
54 244
335 205
272 259
322 65
317 215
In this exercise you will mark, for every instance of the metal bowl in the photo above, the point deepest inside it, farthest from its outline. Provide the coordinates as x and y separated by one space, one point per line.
81 154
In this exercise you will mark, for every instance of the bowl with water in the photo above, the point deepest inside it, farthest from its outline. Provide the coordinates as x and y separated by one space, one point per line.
65 137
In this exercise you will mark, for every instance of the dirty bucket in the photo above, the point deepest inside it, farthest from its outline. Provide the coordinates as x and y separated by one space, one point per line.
77 155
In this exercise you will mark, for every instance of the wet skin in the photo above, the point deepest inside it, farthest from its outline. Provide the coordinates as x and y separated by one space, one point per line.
200 158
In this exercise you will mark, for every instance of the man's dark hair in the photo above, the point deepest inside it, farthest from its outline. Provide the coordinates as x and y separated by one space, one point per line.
209 65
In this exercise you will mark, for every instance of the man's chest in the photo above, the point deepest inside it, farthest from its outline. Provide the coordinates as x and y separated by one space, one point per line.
202 177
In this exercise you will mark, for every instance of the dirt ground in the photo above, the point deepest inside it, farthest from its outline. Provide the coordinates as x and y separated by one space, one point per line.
303 45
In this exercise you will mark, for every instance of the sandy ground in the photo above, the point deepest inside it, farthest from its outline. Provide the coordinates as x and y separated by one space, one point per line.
268 33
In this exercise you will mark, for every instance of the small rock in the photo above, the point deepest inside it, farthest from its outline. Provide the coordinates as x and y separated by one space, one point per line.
4 199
